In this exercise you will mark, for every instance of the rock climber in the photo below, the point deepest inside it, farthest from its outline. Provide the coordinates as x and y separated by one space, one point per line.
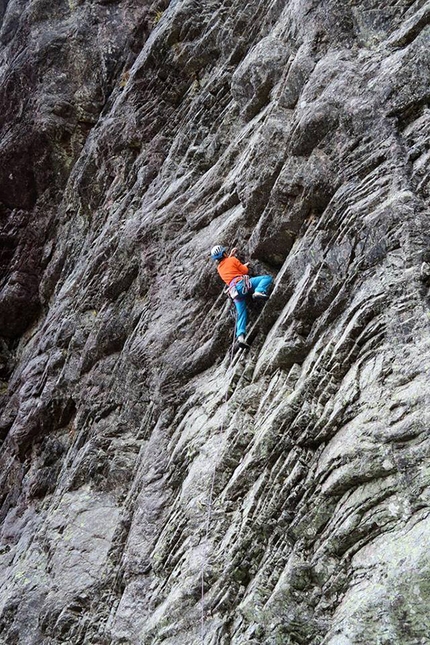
240 285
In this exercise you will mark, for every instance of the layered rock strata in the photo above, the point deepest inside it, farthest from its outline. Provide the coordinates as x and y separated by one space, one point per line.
157 487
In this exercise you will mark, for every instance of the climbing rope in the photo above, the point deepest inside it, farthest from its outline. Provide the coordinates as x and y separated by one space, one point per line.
208 519
211 490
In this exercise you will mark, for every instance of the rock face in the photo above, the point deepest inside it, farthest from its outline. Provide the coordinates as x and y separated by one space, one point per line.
155 488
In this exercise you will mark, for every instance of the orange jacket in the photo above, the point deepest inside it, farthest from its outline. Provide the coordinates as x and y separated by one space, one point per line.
230 268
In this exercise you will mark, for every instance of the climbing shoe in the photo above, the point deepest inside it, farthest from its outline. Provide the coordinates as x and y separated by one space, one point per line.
242 342
259 295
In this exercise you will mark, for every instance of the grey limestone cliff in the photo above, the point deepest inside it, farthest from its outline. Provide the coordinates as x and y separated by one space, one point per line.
156 487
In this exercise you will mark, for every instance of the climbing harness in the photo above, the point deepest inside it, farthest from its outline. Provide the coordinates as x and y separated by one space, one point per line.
245 287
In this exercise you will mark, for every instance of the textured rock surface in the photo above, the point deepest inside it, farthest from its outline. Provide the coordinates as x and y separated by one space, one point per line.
153 488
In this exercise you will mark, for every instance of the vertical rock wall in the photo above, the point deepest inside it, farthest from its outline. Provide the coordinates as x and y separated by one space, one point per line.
155 488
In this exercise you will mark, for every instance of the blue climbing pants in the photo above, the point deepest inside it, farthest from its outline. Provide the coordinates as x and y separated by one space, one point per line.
260 283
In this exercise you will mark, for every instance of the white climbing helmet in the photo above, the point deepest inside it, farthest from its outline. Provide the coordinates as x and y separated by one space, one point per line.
217 252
